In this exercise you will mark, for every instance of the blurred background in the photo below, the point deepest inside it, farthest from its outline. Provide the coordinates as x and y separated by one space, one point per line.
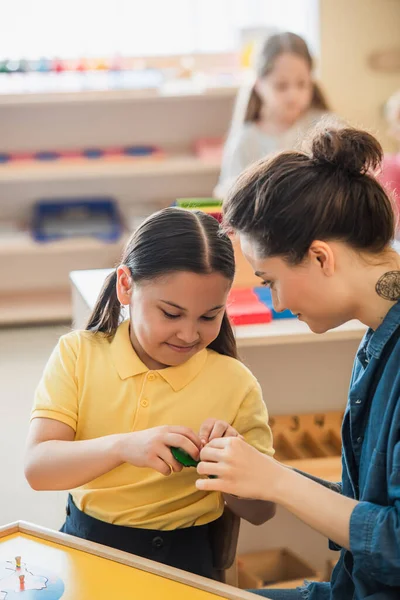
109 111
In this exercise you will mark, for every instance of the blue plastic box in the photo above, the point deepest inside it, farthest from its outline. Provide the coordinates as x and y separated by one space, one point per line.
67 218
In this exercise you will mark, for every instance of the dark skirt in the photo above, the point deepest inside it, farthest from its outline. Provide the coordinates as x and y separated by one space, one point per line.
189 549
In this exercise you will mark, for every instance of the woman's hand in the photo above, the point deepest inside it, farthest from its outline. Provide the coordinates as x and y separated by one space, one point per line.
151 448
213 428
243 471
240 470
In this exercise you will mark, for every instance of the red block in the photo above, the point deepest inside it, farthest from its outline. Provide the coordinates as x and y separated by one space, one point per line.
70 154
216 215
22 156
242 294
244 308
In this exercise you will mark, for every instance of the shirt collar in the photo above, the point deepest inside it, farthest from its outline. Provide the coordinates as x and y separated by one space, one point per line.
128 364
375 341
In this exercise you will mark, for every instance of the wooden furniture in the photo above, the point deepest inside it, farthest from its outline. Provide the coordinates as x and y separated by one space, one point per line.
310 442
277 568
170 118
75 569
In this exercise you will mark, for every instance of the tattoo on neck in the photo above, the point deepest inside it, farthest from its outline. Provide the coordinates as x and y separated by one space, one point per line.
388 286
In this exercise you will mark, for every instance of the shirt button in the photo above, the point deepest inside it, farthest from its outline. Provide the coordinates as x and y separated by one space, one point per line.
144 403
151 377
358 401
359 440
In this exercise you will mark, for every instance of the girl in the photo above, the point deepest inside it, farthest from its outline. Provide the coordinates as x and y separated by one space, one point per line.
115 398
317 228
282 105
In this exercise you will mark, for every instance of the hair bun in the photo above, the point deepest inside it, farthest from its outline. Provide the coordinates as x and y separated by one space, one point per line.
348 149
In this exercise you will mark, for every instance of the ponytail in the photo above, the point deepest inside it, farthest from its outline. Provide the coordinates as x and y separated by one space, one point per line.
253 108
225 342
106 313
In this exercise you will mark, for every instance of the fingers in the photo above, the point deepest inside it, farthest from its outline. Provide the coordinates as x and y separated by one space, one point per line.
168 458
220 430
205 430
210 469
188 433
212 429
221 443
158 464
211 485
175 440
211 454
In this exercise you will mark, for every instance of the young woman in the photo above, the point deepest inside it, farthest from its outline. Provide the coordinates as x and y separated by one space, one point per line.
318 228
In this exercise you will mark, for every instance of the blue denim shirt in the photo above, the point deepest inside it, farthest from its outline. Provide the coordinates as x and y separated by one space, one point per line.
371 474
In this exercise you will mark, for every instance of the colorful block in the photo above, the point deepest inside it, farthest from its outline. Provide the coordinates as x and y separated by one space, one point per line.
244 308
198 202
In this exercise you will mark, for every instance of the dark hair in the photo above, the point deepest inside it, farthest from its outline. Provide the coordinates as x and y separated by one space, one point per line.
329 193
172 239
274 46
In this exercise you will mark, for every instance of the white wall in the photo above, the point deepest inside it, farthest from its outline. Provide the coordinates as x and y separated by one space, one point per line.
23 354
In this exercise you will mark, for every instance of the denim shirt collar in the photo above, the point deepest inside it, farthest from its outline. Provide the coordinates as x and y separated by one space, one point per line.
375 341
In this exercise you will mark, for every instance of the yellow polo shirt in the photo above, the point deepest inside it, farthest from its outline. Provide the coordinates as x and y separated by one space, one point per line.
100 387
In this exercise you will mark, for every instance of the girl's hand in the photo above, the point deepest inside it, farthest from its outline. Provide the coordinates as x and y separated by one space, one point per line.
151 448
212 429
240 470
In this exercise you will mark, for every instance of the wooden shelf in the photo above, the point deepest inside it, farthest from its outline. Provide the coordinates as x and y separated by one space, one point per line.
118 95
105 168
32 300
310 442
46 306
25 245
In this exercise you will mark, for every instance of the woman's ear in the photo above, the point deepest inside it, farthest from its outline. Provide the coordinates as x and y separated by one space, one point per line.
124 285
321 254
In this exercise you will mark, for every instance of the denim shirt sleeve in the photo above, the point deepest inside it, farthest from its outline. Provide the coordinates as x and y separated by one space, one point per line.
375 532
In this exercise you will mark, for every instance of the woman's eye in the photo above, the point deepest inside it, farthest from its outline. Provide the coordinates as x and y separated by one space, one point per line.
209 318
266 283
169 316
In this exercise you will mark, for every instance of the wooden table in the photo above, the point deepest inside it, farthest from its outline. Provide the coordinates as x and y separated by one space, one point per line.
54 565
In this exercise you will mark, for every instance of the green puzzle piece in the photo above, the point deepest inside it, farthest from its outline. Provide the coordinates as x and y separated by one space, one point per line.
186 460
